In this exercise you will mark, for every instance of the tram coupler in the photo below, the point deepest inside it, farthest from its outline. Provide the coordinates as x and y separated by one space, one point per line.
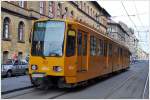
41 83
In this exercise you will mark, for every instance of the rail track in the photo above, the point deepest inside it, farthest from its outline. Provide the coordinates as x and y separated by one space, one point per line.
51 97
59 93
146 82
15 90
125 81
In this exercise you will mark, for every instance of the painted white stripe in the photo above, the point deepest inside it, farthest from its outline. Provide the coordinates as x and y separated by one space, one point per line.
145 87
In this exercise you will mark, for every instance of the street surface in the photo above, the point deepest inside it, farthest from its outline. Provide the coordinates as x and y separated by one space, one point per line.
12 83
133 84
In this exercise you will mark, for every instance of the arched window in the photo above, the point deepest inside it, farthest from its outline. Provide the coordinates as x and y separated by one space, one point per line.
88 9
21 31
85 7
59 10
91 12
6 27
19 55
5 57
51 6
80 4
21 3
41 7
66 15
72 14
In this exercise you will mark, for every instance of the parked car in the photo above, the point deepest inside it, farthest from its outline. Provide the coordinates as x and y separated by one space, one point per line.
14 68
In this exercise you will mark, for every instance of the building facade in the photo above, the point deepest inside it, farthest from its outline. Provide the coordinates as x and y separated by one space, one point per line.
125 35
17 18
142 55
117 32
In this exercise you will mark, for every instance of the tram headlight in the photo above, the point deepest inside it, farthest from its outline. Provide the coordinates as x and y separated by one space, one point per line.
57 68
34 67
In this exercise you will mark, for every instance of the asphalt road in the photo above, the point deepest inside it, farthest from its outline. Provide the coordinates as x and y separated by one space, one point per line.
12 83
125 85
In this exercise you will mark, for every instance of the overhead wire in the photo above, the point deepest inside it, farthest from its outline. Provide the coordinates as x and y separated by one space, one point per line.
129 16
137 13
138 16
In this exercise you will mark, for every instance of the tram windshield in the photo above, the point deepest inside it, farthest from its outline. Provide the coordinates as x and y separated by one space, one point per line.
48 38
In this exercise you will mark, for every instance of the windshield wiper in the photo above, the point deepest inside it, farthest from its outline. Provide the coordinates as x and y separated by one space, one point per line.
42 55
53 54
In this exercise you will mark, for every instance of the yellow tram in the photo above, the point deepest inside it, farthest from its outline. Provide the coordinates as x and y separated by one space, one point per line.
66 53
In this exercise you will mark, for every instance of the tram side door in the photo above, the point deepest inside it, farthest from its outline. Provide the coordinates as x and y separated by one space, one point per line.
82 51
71 52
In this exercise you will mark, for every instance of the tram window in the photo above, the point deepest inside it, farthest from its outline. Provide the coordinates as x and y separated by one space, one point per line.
118 51
101 47
85 45
92 46
98 47
105 49
70 51
79 43
121 51
110 49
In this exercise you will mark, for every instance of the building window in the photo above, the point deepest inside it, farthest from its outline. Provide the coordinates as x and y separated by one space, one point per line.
72 14
19 56
6 28
50 11
41 7
59 10
96 17
76 2
85 7
5 57
80 4
21 4
65 15
91 12
21 31
88 9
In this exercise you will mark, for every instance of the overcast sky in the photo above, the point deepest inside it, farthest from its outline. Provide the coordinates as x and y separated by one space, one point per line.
139 14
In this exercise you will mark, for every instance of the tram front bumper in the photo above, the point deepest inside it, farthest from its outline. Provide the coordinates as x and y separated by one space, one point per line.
40 80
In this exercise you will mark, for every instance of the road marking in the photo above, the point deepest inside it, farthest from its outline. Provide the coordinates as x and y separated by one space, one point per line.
121 84
115 88
145 87
12 96
58 95
15 90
